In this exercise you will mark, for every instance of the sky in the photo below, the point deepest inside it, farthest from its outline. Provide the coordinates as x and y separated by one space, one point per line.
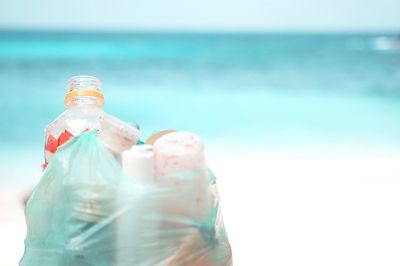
202 15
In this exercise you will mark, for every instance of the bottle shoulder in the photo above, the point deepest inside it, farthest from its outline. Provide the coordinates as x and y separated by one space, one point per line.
56 121
75 121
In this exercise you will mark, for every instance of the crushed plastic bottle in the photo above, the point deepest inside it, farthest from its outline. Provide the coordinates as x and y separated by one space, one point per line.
84 102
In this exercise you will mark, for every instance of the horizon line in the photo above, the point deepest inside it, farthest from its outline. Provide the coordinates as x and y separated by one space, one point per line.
88 30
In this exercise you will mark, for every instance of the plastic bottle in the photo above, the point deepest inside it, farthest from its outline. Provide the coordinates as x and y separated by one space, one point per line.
84 102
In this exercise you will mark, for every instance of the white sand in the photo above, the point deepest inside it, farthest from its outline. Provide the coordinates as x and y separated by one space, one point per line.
292 211
12 226
286 211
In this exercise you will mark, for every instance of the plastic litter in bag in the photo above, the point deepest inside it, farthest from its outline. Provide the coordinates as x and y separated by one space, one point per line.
84 101
85 211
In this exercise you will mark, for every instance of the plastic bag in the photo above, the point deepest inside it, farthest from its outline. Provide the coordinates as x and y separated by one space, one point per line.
84 211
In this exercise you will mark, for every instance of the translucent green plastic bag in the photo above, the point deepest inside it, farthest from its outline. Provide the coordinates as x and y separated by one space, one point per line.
84 211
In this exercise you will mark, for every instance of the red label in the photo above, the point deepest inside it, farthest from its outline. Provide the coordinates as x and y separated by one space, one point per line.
44 165
64 137
51 144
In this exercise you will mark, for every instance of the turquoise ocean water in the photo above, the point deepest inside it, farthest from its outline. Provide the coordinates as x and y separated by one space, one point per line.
269 92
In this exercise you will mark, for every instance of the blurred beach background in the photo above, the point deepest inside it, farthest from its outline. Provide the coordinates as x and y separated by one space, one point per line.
300 113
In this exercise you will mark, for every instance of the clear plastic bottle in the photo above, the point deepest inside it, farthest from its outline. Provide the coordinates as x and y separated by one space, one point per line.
84 102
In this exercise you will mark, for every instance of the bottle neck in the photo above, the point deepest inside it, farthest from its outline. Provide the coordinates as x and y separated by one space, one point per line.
85 102
84 92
